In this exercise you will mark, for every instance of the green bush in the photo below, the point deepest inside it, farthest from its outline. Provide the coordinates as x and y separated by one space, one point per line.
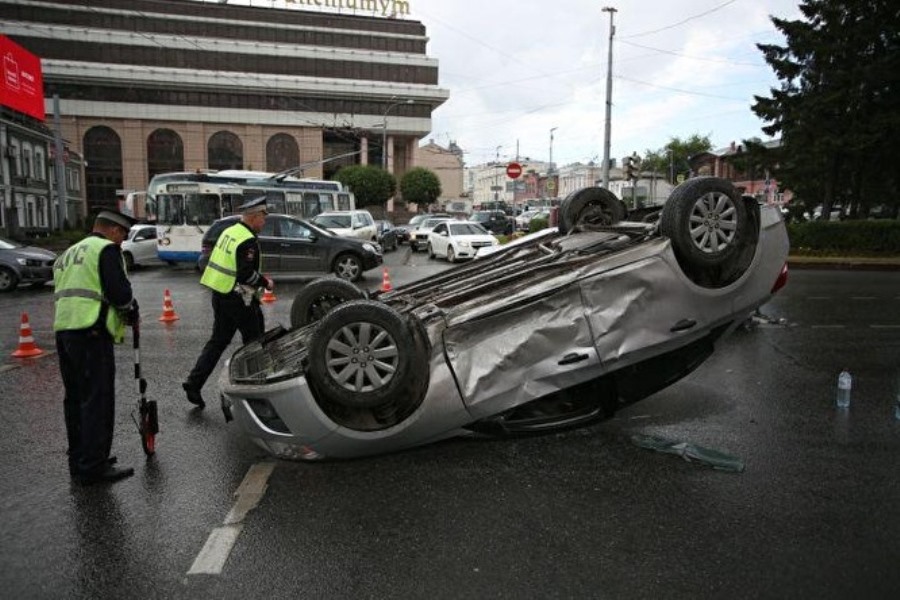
861 238
537 224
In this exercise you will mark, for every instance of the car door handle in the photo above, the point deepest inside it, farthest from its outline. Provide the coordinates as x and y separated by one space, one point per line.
682 325
572 357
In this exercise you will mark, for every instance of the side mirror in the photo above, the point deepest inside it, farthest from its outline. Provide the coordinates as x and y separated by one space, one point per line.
313 236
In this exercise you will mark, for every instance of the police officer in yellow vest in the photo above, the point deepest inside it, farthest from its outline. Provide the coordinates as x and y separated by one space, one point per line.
233 274
94 303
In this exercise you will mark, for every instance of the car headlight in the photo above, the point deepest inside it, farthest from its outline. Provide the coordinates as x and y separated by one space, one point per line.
464 244
28 262
369 248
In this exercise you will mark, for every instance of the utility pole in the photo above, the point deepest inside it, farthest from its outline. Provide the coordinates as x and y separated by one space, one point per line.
606 136
550 166
384 149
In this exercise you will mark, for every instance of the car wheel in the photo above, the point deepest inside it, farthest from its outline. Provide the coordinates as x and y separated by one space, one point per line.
362 353
589 206
707 222
8 280
430 251
451 255
129 260
319 297
348 266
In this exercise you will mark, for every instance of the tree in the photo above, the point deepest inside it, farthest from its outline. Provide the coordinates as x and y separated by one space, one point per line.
837 109
673 158
370 185
420 185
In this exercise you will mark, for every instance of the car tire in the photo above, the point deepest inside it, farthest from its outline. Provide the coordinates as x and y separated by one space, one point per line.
8 280
129 260
361 354
430 251
348 266
589 206
707 222
451 255
319 297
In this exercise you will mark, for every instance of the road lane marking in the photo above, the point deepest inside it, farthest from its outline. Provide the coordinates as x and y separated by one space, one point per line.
215 551
221 540
862 297
827 327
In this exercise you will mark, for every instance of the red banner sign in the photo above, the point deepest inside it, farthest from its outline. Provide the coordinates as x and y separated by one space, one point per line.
21 81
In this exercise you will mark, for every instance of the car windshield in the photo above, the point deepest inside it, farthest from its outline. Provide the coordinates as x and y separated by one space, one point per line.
481 216
6 244
432 222
416 220
336 221
467 229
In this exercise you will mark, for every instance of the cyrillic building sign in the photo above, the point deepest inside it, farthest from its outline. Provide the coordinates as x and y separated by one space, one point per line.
384 8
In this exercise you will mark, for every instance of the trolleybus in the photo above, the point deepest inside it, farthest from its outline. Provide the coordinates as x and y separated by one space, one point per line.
185 204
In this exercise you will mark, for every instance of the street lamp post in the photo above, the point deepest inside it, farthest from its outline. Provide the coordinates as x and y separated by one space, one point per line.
384 149
550 167
606 136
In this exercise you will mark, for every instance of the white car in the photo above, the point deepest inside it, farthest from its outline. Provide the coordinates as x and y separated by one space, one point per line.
356 224
139 248
523 219
455 240
418 237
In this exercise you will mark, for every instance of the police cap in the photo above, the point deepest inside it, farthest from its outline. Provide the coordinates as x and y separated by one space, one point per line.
116 218
253 206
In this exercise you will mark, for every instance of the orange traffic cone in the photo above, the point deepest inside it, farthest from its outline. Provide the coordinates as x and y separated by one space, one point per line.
168 314
268 296
386 281
27 347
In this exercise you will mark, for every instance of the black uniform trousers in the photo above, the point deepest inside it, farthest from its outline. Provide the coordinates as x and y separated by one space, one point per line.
88 367
230 314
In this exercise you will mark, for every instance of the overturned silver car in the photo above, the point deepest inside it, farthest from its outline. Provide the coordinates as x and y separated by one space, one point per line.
554 330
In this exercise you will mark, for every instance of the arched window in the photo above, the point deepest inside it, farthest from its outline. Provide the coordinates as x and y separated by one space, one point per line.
225 151
103 166
282 153
165 152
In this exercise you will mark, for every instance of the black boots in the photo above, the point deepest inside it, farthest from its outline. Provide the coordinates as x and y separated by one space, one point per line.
193 395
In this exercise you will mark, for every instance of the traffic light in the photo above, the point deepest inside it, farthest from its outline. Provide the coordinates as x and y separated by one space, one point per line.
632 165
629 168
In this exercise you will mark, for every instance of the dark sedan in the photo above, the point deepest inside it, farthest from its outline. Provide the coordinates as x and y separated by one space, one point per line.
294 247
387 235
24 264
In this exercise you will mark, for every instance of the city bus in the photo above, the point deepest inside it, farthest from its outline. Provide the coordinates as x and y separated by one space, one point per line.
185 204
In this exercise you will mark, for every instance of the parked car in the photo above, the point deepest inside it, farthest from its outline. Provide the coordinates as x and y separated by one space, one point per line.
419 237
558 331
21 264
387 235
523 218
139 248
294 247
404 232
356 224
495 221
456 240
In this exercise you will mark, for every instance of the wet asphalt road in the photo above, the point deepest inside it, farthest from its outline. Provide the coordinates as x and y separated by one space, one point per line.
584 513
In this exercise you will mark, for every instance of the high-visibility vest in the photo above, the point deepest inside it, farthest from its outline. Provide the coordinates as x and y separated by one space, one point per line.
220 274
78 293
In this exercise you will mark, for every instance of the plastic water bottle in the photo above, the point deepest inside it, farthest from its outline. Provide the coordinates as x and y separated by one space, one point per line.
845 382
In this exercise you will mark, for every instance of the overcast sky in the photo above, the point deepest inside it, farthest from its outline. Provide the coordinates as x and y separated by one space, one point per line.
516 69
